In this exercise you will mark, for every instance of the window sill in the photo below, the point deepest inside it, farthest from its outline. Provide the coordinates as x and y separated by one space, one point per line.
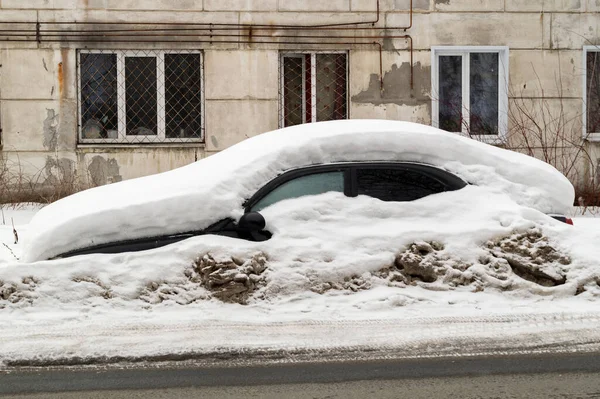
489 139
138 145
484 138
593 137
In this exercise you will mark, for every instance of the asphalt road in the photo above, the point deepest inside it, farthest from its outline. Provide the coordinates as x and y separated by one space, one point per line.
549 376
545 386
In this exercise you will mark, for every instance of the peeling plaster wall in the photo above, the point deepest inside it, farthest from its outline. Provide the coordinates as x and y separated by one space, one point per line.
38 82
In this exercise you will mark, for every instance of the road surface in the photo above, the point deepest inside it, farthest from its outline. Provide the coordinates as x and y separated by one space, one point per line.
542 376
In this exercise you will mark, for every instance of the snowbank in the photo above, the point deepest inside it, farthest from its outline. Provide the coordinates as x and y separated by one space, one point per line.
329 246
339 265
195 196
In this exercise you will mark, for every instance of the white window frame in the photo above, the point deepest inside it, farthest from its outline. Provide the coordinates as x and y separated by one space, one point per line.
595 136
122 137
503 74
313 82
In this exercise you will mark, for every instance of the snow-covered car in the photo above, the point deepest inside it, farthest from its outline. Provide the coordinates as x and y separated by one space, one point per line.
225 193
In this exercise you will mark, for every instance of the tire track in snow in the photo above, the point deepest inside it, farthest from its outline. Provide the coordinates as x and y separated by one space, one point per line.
81 343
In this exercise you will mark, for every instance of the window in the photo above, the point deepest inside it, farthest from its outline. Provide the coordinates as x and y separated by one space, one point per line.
314 184
313 87
470 91
591 84
140 96
396 184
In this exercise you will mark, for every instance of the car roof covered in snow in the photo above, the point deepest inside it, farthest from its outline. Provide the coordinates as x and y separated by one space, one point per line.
195 196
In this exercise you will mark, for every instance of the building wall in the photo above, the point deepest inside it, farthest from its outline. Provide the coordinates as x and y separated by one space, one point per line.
38 81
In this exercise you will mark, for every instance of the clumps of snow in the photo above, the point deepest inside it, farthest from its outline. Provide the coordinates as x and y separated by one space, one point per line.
505 263
225 278
590 286
182 293
97 287
521 260
19 294
352 283
531 257
230 280
421 262
427 262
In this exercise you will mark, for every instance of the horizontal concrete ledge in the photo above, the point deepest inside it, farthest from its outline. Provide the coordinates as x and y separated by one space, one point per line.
101 147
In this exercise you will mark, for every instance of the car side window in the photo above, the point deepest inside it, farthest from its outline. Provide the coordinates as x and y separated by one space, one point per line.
313 184
396 184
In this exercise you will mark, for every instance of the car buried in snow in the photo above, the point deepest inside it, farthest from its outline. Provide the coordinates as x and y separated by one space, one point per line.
225 193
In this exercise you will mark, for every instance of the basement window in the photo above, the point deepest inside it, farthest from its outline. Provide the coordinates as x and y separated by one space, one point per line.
591 101
314 87
141 96
470 91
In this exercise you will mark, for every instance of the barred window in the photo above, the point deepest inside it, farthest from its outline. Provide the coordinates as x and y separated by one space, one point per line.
592 93
313 87
141 96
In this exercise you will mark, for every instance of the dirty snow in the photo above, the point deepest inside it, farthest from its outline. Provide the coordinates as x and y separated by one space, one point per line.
333 265
193 197
338 271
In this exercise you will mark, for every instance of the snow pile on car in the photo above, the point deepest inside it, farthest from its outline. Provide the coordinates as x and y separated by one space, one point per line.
193 197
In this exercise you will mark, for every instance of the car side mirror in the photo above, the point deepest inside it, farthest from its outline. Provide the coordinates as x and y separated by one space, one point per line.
252 221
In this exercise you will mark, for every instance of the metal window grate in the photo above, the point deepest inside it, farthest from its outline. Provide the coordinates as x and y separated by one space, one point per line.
592 97
314 87
140 96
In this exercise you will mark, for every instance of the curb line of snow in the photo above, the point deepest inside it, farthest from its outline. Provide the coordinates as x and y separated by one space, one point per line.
234 344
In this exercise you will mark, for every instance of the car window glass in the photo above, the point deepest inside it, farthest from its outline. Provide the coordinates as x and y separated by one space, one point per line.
313 184
396 184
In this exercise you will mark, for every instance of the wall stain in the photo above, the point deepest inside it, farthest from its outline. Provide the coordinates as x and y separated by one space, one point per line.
61 80
103 171
214 141
396 87
60 172
50 129
442 2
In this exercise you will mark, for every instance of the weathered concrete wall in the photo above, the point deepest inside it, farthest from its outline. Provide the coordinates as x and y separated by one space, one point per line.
38 85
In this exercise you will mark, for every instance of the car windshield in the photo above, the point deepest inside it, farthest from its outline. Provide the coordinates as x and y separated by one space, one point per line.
317 183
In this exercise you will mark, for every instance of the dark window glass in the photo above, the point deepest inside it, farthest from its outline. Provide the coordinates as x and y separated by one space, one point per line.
183 97
141 96
396 184
293 90
331 87
99 115
318 183
593 92
484 93
450 87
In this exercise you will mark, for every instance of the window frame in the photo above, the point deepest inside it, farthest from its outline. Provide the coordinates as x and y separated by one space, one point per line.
503 76
448 179
296 173
313 82
595 136
122 137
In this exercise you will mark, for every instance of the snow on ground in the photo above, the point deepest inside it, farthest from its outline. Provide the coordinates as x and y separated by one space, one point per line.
461 272
19 215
